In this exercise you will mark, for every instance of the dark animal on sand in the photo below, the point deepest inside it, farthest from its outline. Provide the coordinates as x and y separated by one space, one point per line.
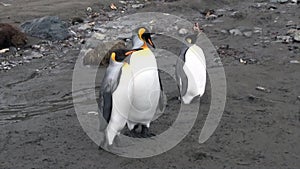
10 36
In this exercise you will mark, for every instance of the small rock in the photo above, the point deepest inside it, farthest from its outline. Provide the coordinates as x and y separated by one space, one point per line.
297 36
248 34
237 15
183 31
257 30
224 31
291 32
99 36
48 27
137 6
123 2
36 55
235 32
211 17
84 27
294 62
36 46
284 39
298 97
77 20
279 1
4 50
89 9
260 88
294 1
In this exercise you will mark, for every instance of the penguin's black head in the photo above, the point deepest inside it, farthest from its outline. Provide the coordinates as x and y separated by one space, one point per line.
145 35
191 39
119 55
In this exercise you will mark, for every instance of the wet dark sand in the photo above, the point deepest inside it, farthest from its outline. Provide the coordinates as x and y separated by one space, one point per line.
259 133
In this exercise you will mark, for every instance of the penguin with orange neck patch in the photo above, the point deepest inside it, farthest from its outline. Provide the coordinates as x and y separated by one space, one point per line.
146 91
115 94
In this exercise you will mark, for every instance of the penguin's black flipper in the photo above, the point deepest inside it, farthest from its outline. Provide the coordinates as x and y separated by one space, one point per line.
180 74
107 107
162 98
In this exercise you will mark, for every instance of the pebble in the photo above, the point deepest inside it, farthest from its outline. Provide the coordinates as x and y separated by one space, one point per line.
99 36
248 34
298 97
85 27
4 50
183 31
278 1
260 88
224 31
294 1
294 62
284 39
36 55
297 36
89 9
137 6
235 32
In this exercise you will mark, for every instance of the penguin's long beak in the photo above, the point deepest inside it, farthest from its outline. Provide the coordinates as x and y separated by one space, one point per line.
129 52
148 39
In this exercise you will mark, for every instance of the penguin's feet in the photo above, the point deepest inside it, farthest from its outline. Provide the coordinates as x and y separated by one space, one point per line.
145 133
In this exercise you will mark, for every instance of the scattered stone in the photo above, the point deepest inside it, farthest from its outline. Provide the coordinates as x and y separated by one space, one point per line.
137 6
284 39
243 61
291 32
297 36
224 31
235 32
257 30
89 9
85 27
11 36
48 27
5 4
260 88
77 20
294 62
211 17
279 1
294 1
183 31
113 6
36 55
298 97
123 2
237 15
99 36
4 50
248 34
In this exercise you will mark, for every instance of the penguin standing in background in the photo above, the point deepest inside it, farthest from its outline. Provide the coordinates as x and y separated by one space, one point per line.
115 94
191 70
146 82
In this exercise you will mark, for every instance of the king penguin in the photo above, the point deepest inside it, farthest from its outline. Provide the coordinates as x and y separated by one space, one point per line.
147 86
191 70
115 95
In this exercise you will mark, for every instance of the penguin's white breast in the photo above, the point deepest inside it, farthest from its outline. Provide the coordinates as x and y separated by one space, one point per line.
146 89
195 69
122 96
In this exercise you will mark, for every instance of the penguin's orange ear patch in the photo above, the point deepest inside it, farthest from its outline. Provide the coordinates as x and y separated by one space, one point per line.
113 56
129 53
